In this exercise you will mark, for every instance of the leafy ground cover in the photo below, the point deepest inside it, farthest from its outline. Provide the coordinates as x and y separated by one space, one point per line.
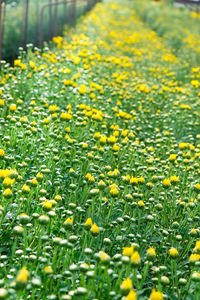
99 167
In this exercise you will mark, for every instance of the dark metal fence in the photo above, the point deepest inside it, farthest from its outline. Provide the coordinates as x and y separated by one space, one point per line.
71 17
192 4
1 31
47 19
188 2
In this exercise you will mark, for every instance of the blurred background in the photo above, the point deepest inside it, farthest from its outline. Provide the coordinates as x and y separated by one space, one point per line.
36 21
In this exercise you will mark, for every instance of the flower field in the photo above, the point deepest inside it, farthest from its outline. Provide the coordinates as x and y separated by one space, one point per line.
99 163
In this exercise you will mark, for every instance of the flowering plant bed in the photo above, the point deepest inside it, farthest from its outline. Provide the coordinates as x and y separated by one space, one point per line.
99 165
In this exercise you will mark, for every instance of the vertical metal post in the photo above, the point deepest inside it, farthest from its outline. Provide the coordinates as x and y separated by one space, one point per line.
26 24
64 14
73 13
88 5
50 4
1 1
37 9
3 18
50 20
55 18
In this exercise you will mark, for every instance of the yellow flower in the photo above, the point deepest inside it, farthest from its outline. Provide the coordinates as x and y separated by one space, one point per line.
65 116
17 62
131 296
116 172
82 89
8 182
53 108
2 102
173 252
24 119
68 82
116 147
135 259
172 157
166 182
39 176
92 95
34 182
124 132
197 186
140 203
149 185
193 232
156 295
197 246
88 222
114 191
32 64
192 147
58 40
76 60
88 176
183 145
104 257
46 121
126 284
69 221
47 205
151 252
58 198
7 193
194 257
101 184
95 229
67 129
25 188
22 276
48 270
97 135
133 180
141 179
8 173
13 107
2 153
91 178
174 179
103 139
195 83
196 276
84 146
128 251
126 178
112 139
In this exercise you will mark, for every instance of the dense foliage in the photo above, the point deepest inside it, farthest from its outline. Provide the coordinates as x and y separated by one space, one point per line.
99 164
